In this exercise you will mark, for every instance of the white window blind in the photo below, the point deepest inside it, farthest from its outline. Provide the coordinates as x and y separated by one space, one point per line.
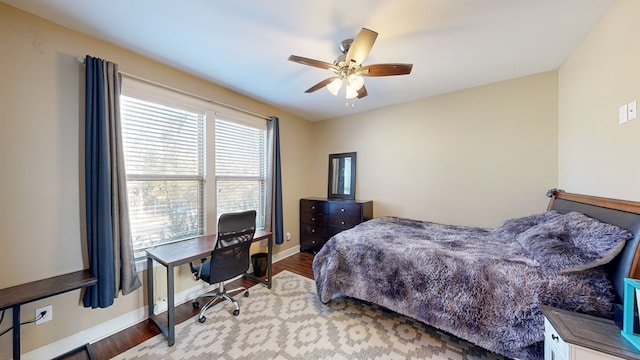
164 159
240 168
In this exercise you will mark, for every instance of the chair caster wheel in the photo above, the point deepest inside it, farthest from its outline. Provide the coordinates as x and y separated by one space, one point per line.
236 312
246 294
202 319
195 304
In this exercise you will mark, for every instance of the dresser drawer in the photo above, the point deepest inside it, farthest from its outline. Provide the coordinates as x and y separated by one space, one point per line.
311 243
313 206
350 209
313 218
344 221
313 230
335 230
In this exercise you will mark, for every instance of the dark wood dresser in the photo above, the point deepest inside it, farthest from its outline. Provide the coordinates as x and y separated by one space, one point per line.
321 218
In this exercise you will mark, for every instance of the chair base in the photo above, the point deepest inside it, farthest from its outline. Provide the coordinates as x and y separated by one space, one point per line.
223 294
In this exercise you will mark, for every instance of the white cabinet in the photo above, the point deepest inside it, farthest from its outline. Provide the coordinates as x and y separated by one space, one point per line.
554 347
574 336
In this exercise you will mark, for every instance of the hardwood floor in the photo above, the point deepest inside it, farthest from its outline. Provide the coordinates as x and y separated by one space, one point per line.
113 345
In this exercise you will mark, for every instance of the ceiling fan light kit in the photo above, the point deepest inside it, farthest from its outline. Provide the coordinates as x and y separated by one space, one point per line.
348 66
334 86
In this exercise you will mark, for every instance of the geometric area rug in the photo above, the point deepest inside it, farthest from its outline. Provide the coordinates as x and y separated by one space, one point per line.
290 322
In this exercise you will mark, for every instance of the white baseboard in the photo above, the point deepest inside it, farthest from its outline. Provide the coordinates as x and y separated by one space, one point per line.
127 320
87 336
285 254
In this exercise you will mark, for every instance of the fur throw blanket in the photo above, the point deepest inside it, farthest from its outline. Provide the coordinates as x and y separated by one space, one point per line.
483 285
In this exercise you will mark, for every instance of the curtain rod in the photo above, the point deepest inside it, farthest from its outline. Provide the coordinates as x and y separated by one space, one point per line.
81 59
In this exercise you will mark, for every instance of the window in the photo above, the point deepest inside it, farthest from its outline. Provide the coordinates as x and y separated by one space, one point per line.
240 167
173 145
165 166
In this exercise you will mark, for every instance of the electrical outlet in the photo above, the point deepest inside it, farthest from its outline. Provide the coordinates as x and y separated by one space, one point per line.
48 316
288 236
160 306
631 110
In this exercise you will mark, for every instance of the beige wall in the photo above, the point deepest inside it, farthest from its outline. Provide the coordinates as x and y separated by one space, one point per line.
472 157
40 153
596 155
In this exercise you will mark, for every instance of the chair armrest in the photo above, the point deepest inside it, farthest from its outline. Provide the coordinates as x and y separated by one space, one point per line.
197 273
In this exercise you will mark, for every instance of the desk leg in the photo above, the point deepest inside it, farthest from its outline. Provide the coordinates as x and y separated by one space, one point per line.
269 260
16 332
168 331
150 287
171 310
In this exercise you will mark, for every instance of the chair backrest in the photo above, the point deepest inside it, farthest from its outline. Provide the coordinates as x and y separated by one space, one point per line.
231 256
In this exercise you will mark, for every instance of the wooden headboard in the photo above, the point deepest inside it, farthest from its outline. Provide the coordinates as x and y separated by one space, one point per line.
622 213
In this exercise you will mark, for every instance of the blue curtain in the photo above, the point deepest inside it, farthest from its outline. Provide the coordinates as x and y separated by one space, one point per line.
110 252
98 189
273 134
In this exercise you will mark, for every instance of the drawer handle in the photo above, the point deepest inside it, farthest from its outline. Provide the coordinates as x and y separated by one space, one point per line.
313 230
342 222
342 209
313 207
313 219
554 337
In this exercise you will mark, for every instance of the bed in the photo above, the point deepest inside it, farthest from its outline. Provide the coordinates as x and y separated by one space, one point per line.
487 285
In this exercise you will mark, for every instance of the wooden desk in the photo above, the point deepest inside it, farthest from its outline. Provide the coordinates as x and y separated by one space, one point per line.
21 294
183 252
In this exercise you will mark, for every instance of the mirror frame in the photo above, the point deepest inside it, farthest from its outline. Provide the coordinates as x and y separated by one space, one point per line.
352 194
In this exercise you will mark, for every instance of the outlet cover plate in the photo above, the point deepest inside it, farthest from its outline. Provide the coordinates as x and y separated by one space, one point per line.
47 317
632 110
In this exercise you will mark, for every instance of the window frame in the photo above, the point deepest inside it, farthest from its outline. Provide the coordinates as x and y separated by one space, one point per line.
157 93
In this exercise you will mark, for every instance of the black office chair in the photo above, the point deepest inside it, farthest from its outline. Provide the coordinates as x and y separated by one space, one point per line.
229 259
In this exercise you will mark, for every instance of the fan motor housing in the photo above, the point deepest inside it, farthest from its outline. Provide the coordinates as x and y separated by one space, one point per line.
344 48
345 45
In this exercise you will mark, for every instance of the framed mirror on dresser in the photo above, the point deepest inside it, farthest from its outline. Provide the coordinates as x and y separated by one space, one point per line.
342 176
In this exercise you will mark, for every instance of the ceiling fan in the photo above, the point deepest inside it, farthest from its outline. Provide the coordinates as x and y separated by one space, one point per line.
348 68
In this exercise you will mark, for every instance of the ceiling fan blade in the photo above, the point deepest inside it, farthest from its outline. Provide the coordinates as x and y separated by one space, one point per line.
362 92
385 69
321 84
361 46
312 62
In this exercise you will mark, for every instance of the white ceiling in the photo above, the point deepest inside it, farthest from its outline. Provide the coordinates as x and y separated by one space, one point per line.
244 45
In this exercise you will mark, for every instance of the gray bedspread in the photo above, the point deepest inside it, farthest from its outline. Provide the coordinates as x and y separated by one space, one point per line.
482 285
